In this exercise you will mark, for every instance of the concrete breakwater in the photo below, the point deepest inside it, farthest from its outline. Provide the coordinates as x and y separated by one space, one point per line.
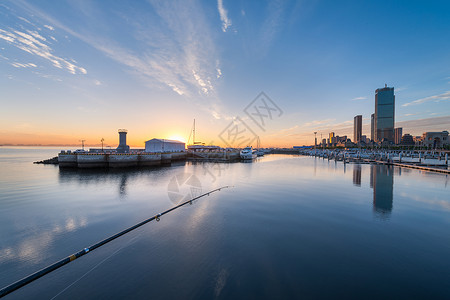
217 155
116 160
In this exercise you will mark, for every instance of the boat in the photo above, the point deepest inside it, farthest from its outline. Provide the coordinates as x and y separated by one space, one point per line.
248 153
260 153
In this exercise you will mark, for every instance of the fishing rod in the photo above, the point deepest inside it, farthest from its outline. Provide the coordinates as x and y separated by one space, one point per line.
30 278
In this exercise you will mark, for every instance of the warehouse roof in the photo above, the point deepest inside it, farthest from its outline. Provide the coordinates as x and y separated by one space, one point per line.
165 141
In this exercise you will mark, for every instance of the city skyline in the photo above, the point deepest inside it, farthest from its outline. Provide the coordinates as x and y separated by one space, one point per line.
82 70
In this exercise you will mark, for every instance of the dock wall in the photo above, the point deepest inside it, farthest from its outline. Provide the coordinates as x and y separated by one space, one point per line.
116 160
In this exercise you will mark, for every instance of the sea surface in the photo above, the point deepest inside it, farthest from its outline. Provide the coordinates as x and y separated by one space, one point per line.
291 227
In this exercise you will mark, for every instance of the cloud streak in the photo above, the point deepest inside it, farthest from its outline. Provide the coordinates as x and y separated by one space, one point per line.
226 22
436 98
359 98
35 44
19 65
180 54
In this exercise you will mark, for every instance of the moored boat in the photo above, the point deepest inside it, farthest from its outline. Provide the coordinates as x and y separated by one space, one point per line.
248 153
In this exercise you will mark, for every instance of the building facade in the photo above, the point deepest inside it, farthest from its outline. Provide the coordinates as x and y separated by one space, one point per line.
407 140
332 138
372 127
357 128
384 118
435 139
398 132
162 145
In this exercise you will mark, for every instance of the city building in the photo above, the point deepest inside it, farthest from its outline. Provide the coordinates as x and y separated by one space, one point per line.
357 128
418 140
407 140
364 139
398 135
162 145
341 139
384 118
332 139
372 127
435 139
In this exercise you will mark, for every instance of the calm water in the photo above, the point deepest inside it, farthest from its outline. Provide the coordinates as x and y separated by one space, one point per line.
292 227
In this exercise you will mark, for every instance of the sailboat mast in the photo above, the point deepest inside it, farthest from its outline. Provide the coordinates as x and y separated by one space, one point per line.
194 132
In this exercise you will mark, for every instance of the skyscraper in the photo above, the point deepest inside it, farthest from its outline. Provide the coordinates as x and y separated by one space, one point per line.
372 126
332 138
357 128
398 132
384 114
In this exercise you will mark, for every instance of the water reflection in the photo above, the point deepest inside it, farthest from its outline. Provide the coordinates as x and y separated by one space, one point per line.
357 174
113 177
382 182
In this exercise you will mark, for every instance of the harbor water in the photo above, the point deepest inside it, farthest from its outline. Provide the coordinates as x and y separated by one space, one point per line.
291 227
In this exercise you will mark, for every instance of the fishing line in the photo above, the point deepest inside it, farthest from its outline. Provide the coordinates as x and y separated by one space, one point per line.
18 284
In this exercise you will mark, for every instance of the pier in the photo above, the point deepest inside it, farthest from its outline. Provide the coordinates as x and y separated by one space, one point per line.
430 161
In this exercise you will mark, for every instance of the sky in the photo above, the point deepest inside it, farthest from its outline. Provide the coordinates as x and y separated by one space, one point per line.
274 70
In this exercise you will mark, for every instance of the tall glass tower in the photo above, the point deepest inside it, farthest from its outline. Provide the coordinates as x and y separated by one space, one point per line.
384 114
357 128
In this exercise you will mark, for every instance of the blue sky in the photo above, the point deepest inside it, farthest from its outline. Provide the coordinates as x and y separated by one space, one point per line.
83 69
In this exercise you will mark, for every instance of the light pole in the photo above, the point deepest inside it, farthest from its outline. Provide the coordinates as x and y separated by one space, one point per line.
82 144
315 142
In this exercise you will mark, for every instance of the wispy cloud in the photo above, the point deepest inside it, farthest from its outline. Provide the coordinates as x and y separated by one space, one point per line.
19 65
35 44
359 98
226 22
272 24
180 54
318 123
422 125
436 98
49 27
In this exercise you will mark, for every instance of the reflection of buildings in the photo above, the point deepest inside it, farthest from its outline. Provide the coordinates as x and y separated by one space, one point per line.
114 179
382 182
357 174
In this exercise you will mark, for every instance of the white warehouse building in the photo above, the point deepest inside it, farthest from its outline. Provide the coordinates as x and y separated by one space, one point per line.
162 145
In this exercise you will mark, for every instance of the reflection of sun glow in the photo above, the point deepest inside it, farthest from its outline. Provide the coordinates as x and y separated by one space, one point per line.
177 138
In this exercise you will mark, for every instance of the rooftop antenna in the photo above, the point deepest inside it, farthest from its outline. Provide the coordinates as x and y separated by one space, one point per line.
315 141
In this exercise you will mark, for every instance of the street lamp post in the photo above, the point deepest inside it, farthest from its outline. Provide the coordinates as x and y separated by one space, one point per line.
315 142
